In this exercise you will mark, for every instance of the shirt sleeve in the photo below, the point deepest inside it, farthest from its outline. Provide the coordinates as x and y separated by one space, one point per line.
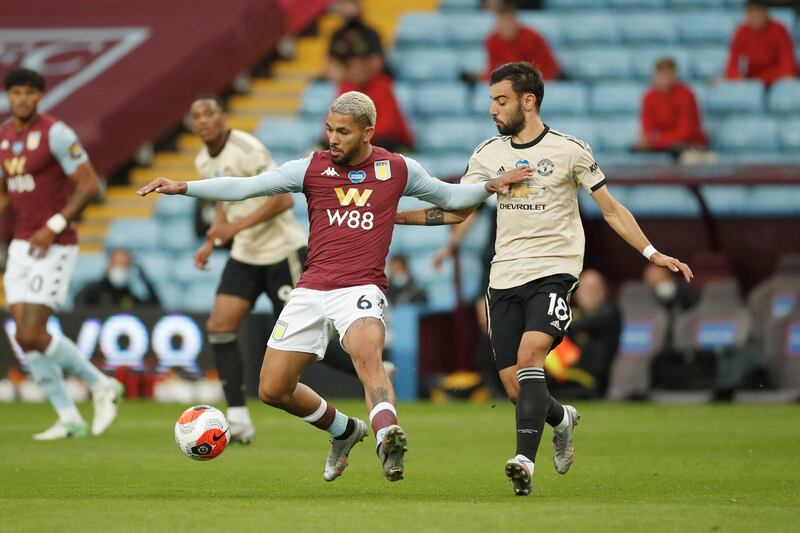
66 148
286 178
476 171
445 195
586 172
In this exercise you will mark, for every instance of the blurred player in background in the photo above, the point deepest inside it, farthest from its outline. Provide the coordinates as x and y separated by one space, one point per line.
539 255
269 248
46 177
353 190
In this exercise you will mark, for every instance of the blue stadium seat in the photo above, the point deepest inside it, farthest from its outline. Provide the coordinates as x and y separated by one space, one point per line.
404 92
644 60
88 268
444 165
573 4
735 97
134 234
317 98
263 305
597 63
565 98
647 28
294 135
591 29
181 237
413 240
661 201
588 206
459 5
748 133
638 4
726 200
198 297
439 98
696 4
156 264
774 200
790 135
421 28
606 160
618 135
620 98
170 293
186 272
473 60
784 97
471 274
475 240
707 62
455 134
786 16
177 206
582 128
706 27
548 24
427 64
481 100
468 29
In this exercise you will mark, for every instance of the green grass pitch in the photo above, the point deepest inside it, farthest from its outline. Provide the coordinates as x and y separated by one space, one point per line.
638 467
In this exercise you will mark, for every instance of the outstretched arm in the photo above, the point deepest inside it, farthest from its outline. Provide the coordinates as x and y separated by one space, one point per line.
433 216
621 221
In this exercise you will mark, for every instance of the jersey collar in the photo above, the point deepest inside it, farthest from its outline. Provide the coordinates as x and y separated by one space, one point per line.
533 142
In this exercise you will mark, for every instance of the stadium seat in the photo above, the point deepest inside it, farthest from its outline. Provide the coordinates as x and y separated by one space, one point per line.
726 200
618 98
784 97
476 238
471 275
134 234
708 62
454 134
783 350
706 27
317 98
638 4
695 4
186 272
718 321
747 133
421 28
589 208
473 60
597 63
88 268
548 24
591 29
427 64
661 201
735 97
263 305
582 128
481 100
459 5
180 238
790 134
468 29
414 240
618 135
198 297
294 135
177 206
776 297
644 60
565 98
156 264
576 4
647 28
774 201
605 159
404 92
439 98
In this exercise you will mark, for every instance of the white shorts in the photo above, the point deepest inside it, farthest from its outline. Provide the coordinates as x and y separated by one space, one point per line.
310 317
42 281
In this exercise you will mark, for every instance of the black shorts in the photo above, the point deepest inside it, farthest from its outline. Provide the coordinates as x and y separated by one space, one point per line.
277 280
539 305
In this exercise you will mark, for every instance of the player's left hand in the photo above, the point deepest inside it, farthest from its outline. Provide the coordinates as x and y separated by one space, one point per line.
40 242
502 184
221 233
673 264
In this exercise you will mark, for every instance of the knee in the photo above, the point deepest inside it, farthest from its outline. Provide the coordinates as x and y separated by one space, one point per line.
272 394
32 338
533 353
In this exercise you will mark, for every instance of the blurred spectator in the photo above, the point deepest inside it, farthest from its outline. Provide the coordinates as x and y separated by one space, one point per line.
402 287
354 37
115 289
761 48
365 74
672 291
670 116
511 41
595 328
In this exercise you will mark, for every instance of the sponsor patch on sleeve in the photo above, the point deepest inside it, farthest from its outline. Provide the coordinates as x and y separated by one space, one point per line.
76 150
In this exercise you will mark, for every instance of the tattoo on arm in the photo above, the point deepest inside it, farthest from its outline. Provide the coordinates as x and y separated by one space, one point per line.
434 216
379 395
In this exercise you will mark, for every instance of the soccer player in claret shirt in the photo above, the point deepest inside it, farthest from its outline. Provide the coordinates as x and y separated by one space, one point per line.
352 190
46 177
538 255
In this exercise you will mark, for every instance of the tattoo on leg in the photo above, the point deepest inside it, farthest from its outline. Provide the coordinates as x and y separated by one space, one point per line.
434 216
379 395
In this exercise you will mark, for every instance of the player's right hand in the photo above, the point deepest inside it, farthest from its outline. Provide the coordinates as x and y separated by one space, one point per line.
163 186
202 254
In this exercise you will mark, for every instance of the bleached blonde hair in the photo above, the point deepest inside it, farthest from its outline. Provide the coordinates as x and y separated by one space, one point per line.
357 105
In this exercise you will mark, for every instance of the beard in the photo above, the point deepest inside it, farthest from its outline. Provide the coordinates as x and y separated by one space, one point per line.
514 125
344 159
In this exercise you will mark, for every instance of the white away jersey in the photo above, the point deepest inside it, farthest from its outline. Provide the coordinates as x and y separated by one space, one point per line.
266 243
539 230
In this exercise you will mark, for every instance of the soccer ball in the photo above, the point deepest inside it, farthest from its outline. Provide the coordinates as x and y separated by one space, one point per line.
202 432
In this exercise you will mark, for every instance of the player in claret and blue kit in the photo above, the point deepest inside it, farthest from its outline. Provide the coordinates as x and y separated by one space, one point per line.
46 177
353 190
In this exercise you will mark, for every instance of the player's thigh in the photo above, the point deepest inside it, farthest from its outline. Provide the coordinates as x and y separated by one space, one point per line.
506 325
358 316
281 278
227 313
302 325
241 280
548 312
31 324
281 371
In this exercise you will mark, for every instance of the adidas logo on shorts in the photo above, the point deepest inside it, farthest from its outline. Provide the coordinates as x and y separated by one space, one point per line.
556 325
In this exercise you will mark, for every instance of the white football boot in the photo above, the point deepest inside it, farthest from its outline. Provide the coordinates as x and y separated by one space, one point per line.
563 452
61 430
242 432
106 400
340 450
519 470
391 451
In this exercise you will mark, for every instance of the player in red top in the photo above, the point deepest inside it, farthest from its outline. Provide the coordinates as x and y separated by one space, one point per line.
761 48
352 191
47 179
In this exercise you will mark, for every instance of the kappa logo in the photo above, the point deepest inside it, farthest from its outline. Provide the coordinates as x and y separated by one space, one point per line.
357 176
330 171
15 165
556 325
346 198
545 167
383 170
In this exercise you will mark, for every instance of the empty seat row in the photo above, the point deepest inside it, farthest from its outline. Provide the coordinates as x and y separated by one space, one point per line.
474 5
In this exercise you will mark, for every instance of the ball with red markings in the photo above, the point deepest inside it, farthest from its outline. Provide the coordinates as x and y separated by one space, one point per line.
202 432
